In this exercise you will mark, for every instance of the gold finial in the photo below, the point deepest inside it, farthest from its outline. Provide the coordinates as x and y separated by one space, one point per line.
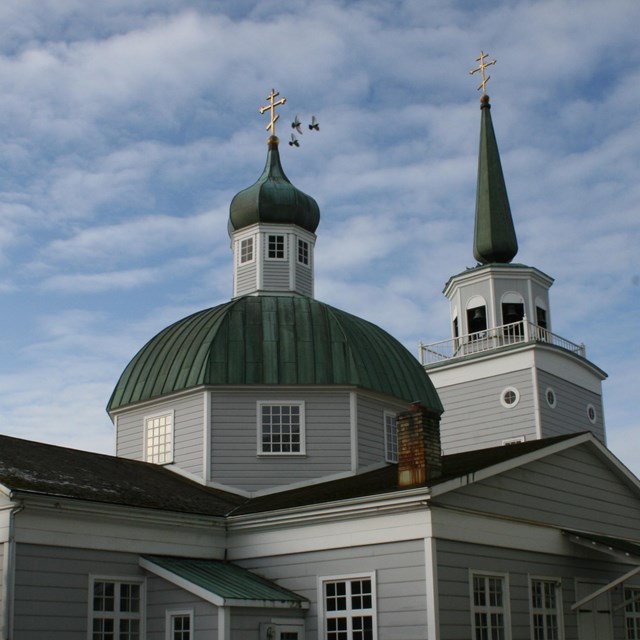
272 107
483 65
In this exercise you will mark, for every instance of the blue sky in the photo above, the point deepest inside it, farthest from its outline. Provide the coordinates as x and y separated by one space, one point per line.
127 127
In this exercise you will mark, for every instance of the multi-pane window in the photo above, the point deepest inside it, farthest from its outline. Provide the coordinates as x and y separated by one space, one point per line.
390 437
246 250
546 611
281 428
632 613
275 247
179 625
349 608
489 607
159 438
303 251
116 610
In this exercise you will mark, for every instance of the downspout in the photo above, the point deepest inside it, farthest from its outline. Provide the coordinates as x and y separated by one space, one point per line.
8 574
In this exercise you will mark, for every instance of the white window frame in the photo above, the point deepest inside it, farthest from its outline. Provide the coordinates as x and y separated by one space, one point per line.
302 241
554 401
592 409
241 250
556 583
503 396
171 615
170 455
116 615
349 612
505 609
390 439
631 596
284 246
281 403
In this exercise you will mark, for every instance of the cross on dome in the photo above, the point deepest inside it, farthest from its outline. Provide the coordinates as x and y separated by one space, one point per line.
272 108
481 67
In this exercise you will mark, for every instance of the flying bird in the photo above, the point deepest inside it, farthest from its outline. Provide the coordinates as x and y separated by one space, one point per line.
314 124
296 125
294 141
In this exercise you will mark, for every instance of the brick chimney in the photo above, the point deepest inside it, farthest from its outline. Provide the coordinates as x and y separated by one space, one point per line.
419 454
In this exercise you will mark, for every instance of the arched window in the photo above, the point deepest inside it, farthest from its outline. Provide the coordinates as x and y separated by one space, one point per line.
477 317
512 314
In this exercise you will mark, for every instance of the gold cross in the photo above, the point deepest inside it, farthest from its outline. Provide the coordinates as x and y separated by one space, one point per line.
272 107
483 65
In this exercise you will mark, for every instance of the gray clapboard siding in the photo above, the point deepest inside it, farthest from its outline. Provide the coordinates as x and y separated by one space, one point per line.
371 447
572 489
570 413
188 430
304 279
456 559
246 278
474 417
162 596
400 582
234 434
275 275
57 579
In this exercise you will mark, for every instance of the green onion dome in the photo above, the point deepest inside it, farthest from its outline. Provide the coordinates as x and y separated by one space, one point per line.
273 199
273 340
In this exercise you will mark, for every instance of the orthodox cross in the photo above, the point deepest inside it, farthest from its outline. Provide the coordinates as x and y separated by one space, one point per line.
483 65
272 107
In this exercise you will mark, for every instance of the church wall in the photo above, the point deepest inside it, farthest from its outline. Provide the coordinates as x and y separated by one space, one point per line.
570 413
234 437
371 447
400 581
275 275
456 560
474 417
162 596
188 430
571 489
246 278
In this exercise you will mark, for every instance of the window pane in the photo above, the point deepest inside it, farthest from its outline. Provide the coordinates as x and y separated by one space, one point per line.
103 596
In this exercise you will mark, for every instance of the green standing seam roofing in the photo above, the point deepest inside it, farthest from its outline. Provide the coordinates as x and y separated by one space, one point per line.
273 199
227 581
494 238
273 340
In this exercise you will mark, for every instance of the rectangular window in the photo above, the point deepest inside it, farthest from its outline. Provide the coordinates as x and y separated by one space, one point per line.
349 607
632 613
281 428
275 247
179 625
246 250
546 609
159 438
489 607
303 252
116 610
390 437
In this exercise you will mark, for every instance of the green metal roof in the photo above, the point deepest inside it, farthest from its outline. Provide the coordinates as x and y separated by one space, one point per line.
273 199
223 583
494 237
273 340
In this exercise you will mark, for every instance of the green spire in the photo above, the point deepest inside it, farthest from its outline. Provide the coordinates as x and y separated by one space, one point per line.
494 238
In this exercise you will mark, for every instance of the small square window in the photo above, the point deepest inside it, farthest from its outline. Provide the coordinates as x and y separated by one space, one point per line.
116 610
349 607
281 428
179 625
275 247
303 252
246 250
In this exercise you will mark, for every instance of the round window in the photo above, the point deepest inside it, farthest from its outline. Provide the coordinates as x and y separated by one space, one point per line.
591 413
510 397
550 395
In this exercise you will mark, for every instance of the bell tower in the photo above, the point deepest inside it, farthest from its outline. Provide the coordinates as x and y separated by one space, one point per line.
504 376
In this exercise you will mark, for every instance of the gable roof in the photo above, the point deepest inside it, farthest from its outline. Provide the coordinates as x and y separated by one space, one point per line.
44 469
222 583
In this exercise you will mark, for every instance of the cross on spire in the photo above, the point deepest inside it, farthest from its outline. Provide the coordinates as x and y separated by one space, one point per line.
272 107
482 66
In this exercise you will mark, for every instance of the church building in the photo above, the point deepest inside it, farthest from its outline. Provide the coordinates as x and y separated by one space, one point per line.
285 470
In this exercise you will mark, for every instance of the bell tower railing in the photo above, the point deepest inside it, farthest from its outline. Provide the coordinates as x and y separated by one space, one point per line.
505 335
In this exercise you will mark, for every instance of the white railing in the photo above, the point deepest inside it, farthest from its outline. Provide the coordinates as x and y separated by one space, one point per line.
481 341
